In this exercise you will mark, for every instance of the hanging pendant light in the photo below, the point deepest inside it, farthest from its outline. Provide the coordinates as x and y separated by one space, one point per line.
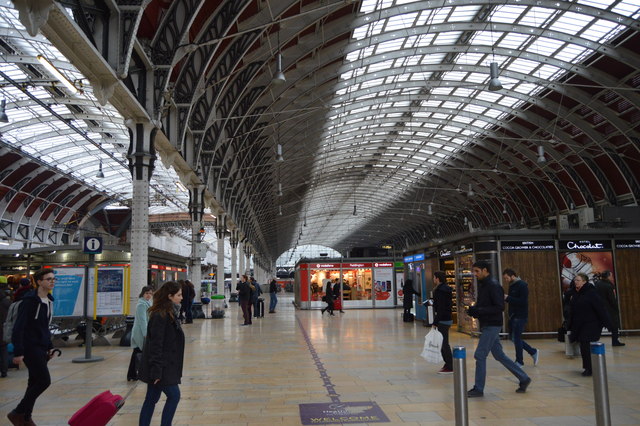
430 209
279 156
3 111
100 174
494 82
279 190
541 157
278 77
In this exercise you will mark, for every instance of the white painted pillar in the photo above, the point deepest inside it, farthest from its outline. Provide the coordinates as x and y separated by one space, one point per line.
221 228
243 269
141 157
234 258
197 210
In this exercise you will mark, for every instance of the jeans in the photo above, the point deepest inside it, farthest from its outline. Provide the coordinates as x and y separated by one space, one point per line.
153 395
39 379
490 342
4 359
446 349
273 302
246 311
516 325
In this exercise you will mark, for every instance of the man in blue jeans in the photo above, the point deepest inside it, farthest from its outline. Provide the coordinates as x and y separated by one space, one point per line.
488 309
518 300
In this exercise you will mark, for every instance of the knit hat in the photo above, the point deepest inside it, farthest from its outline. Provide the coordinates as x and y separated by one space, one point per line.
3 279
24 281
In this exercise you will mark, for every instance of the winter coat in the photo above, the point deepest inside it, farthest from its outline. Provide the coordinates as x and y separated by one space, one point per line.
490 303
31 329
442 302
328 294
273 287
163 353
5 302
257 292
244 291
606 293
140 323
408 292
588 315
518 299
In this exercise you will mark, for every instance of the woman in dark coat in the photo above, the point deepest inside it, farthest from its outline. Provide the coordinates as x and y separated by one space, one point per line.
587 317
407 296
163 354
328 298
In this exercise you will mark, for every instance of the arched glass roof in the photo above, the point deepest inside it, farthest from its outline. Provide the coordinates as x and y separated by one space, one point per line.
66 128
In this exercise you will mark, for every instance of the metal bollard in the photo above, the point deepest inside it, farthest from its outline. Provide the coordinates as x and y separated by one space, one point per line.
460 385
600 384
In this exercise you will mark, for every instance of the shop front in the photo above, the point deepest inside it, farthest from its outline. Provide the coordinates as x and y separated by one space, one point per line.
414 271
627 255
365 284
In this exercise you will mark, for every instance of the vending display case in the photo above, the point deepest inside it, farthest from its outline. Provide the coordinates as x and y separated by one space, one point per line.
466 292
448 266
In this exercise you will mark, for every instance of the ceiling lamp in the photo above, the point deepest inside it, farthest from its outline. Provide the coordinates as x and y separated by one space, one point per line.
278 77
279 156
3 111
355 211
279 190
504 209
57 74
470 193
541 157
279 210
430 209
100 174
494 82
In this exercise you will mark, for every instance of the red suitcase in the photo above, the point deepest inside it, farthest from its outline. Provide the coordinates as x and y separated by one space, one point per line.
98 411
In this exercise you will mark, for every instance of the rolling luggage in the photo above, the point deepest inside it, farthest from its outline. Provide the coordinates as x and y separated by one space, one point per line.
260 308
98 411
337 305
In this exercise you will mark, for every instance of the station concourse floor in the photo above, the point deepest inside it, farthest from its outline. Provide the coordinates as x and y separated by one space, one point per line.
260 374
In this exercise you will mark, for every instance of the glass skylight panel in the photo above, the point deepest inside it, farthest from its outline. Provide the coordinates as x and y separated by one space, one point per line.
464 13
425 40
537 17
442 90
570 52
507 14
448 38
435 58
629 8
513 40
399 22
602 31
570 23
389 46
484 38
523 66
526 88
545 72
601 4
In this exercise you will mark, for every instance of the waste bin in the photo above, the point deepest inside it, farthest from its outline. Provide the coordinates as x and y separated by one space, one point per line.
217 306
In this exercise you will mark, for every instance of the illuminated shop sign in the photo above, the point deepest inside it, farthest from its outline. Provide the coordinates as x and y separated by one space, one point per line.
326 265
464 249
408 259
418 257
445 253
527 245
582 245
628 244
357 265
383 265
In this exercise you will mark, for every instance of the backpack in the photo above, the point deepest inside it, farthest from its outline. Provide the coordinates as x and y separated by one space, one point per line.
12 316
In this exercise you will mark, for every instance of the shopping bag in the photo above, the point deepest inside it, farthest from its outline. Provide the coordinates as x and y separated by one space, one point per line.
432 346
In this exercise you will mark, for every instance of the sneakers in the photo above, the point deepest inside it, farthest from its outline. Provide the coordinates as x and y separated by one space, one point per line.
523 386
519 365
445 370
536 357
474 393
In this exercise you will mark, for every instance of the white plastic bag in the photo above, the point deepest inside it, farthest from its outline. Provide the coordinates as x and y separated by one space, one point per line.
432 346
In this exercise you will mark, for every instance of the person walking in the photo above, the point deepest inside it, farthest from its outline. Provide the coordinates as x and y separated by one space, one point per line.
442 319
588 316
607 293
273 292
518 300
328 298
244 298
188 294
139 331
32 343
163 354
488 310
5 302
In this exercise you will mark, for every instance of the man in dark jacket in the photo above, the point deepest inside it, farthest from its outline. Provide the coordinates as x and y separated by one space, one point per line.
518 300
32 343
273 291
5 302
442 302
588 316
488 309
605 289
244 298
255 297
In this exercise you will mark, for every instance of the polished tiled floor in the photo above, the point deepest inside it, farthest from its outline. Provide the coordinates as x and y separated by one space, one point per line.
260 374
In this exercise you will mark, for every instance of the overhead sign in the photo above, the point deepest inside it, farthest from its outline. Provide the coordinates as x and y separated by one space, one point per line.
325 265
527 245
383 265
584 245
357 265
445 253
408 259
418 257
92 245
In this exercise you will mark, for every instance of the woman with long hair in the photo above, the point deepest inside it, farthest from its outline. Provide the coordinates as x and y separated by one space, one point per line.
163 354
139 330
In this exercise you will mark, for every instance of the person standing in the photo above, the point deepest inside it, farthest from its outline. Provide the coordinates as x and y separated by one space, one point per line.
32 343
488 310
139 330
273 292
187 301
255 297
442 320
407 296
588 316
518 300
606 291
163 354
244 299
